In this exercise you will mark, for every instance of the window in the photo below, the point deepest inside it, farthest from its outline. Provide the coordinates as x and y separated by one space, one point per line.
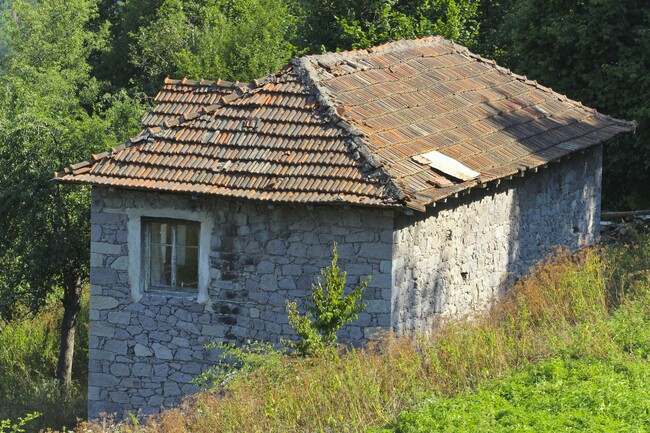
171 255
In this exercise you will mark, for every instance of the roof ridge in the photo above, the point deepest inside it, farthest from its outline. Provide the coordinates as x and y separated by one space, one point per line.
306 71
217 83
382 49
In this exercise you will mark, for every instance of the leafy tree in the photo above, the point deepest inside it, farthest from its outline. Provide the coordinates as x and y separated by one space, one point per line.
125 18
330 25
232 40
598 52
49 116
330 309
491 41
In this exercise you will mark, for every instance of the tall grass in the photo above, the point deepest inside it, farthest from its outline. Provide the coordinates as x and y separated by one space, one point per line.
28 357
563 308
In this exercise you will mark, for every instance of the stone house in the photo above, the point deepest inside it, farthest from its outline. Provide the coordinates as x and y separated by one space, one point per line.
439 173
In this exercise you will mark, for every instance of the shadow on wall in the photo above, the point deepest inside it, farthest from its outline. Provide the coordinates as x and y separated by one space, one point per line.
557 205
459 256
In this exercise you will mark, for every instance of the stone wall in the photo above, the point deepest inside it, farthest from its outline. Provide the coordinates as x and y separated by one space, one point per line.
146 347
457 257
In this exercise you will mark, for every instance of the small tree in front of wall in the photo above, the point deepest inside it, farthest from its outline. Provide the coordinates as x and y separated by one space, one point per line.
330 309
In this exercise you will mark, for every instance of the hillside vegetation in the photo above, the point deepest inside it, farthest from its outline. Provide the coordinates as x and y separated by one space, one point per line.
559 394
577 324
28 358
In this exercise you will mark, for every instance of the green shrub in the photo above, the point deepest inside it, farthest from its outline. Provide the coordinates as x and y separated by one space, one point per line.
236 361
329 310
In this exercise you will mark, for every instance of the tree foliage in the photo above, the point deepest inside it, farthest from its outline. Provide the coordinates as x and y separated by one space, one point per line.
232 40
331 25
51 114
598 52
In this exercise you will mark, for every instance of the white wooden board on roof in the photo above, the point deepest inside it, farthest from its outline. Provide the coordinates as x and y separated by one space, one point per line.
449 166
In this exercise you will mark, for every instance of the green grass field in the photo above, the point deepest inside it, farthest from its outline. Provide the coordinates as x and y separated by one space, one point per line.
558 394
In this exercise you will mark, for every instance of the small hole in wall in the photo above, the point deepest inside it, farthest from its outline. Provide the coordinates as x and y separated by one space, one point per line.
575 230
448 235
464 275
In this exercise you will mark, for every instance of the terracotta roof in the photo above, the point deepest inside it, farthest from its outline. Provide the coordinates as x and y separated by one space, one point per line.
352 127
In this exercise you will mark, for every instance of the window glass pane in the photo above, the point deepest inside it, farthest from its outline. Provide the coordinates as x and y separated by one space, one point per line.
161 233
187 267
187 234
160 269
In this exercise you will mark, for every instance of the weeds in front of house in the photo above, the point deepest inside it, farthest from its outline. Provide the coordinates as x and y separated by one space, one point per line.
28 356
589 306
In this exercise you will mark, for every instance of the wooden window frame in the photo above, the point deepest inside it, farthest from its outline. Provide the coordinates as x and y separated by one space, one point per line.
146 255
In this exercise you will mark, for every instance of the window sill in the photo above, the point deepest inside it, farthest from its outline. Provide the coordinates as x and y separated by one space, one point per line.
193 293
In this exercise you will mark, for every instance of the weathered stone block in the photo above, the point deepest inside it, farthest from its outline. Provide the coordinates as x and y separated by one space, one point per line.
188 327
160 336
191 368
100 329
121 318
142 370
297 250
161 370
183 354
269 283
377 306
105 248
101 380
287 283
141 350
276 247
161 352
120 370
265 267
121 263
116 346
171 389
103 302
380 281
155 401
181 342
319 251
376 251
214 330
